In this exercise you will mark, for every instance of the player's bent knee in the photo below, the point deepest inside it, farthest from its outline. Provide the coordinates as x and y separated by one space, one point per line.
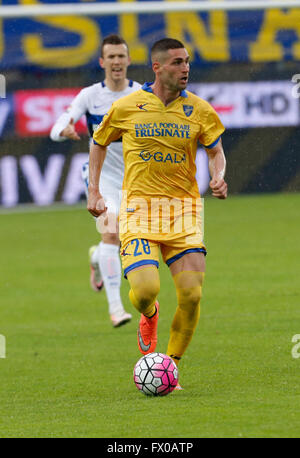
145 285
189 298
146 293
189 288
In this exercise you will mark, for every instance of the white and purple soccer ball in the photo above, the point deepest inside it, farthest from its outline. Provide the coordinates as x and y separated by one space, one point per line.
155 374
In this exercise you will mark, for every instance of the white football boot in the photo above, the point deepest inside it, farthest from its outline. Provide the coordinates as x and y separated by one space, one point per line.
120 318
95 275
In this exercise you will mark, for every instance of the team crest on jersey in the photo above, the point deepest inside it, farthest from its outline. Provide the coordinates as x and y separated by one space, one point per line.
188 110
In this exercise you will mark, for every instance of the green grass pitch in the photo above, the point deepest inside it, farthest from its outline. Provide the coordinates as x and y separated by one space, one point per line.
68 373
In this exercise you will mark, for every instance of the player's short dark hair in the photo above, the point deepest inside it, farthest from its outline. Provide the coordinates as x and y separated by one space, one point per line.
113 40
165 44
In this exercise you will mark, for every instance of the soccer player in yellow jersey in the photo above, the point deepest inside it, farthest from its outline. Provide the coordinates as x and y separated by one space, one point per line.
161 125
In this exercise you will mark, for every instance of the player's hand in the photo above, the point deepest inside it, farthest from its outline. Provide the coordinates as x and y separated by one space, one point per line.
219 188
70 131
96 204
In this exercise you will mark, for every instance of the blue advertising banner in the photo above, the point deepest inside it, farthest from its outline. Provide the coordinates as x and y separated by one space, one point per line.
60 42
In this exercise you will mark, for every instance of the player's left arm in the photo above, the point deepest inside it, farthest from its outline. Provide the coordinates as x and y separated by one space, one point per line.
217 168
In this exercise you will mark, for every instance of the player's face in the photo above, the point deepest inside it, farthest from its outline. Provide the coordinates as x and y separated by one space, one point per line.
174 71
115 61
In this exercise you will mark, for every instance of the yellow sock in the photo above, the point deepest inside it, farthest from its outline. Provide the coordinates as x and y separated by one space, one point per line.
145 286
189 290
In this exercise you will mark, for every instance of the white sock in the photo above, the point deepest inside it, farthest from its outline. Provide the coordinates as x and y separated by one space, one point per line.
95 255
110 267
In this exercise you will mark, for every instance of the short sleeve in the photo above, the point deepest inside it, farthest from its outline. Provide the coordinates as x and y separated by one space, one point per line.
212 128
110 129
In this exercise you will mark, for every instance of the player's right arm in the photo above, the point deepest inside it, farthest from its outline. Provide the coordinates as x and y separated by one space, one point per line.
109 130
69 131
95 203
64 127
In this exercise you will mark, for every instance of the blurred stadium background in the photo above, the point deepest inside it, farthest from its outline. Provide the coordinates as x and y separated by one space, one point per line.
243 62
63 371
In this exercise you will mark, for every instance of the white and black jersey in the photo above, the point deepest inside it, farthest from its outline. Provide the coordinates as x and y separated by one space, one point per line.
93 102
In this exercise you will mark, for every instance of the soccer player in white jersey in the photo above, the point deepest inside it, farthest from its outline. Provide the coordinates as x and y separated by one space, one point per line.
94 102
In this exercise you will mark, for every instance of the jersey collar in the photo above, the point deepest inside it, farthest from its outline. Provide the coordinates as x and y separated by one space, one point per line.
130 84
147 87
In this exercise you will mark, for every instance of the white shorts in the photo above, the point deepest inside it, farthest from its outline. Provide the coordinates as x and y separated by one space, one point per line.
110 189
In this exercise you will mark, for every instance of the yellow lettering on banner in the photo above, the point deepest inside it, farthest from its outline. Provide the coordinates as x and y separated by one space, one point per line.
266 48
62 57
129 30
212 45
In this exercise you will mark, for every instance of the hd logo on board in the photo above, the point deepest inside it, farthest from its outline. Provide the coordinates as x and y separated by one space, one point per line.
252 104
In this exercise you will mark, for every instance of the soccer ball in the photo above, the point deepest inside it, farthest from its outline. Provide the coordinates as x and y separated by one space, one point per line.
155 374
